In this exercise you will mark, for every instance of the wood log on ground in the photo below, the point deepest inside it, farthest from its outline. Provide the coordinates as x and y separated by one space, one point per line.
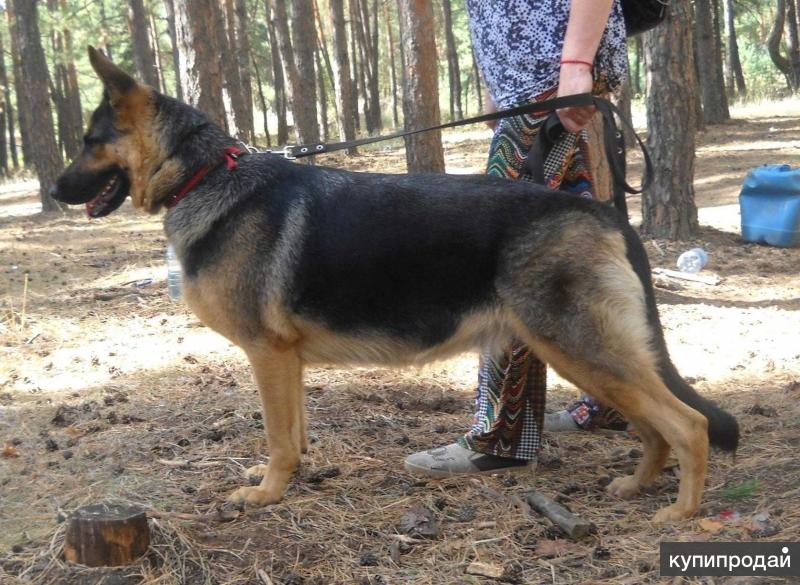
106 535
573 526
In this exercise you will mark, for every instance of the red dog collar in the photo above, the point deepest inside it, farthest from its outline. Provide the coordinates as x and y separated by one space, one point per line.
230 159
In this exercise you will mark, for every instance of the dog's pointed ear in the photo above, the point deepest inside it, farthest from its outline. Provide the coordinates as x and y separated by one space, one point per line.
116 81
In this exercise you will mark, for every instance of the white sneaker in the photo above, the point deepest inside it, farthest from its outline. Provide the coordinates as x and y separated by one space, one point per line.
453 459
559 422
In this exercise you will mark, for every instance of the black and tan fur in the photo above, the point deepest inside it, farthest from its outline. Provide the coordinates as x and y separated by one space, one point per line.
302 264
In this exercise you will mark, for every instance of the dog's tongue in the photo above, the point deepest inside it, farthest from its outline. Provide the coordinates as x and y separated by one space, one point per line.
90 205
93 204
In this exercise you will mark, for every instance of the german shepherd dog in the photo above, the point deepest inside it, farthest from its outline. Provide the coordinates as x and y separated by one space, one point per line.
301 264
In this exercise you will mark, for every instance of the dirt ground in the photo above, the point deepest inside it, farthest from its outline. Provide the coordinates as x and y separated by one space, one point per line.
111 392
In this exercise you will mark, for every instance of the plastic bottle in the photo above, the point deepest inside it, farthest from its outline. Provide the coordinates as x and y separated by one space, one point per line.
174 274
692 261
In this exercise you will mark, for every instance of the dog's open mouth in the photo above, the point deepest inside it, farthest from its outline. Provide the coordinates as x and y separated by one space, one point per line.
110 196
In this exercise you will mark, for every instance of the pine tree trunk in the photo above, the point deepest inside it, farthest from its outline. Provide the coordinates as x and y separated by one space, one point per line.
720 47
322 47
197 25
57 82
476 75
105 36
782 62
600 167
143 56
73 92
162 85
793 44
304 36
281 99
8 108
297 87
453 70
697 92
668 208
420 89
636 81
392 66
322 96
734 62
243 51
169 10
375 90
19 91
65 92
262 101
368 36
354 67
709 65
4 170
233 78
622 99
44 150
342 81
361 62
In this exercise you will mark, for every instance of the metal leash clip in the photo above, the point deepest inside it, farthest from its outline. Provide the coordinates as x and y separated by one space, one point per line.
286 152
250 148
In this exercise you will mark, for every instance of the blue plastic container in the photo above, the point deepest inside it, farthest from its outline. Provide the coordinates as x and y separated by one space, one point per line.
770 205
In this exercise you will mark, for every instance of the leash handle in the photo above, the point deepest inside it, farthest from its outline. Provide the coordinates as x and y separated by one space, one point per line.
614 145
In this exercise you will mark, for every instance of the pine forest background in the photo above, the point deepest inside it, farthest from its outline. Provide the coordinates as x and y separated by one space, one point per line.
288 71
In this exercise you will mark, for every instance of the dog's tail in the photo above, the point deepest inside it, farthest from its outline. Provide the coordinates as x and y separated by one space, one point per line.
723 430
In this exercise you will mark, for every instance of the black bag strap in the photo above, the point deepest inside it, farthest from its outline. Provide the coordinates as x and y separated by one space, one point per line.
614 145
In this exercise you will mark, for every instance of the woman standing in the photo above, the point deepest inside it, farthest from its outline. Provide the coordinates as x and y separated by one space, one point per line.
530 51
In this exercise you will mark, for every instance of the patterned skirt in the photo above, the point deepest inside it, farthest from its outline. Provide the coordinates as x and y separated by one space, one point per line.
512 386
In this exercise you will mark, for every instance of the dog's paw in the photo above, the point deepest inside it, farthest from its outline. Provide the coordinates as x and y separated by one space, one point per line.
255 474
253 497
671 513
624 487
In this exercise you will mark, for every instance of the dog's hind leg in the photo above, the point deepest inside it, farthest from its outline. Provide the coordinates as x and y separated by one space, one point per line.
644 399
656 451
278 374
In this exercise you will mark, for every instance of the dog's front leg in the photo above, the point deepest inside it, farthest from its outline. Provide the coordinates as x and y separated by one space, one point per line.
278 374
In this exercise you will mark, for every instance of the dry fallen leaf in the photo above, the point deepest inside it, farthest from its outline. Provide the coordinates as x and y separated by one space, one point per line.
10 451
709 525
419 522
485 570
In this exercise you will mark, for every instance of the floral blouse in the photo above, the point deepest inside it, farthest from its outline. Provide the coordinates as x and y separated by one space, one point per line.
518 44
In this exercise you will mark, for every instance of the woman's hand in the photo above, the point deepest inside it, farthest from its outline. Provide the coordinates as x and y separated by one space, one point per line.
575 78
587 21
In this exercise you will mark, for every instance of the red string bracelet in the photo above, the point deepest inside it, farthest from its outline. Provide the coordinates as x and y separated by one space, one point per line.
577 62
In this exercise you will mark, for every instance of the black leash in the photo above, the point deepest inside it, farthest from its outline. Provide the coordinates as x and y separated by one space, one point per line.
613 139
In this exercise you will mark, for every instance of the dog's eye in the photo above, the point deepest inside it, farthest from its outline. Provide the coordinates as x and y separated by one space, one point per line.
90 140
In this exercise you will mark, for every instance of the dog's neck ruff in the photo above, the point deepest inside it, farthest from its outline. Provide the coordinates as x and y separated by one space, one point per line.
230 159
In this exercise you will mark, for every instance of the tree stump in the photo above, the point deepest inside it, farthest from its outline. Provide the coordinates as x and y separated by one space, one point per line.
106 535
